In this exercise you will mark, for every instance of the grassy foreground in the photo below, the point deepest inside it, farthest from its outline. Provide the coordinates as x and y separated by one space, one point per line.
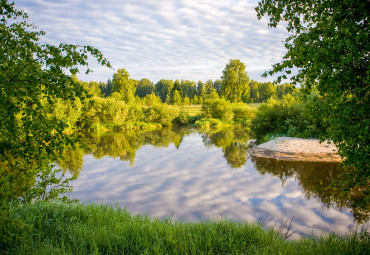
56 228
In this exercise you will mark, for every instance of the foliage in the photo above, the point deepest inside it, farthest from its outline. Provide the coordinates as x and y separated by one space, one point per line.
235 82
183 118
163 88
124 85
176 97
243 114
237 113
144 88
161 113
49 185
151 99
33 75
315 183
290 116
217 108
329 44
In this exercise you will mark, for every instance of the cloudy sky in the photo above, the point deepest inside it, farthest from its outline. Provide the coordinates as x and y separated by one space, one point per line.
162 39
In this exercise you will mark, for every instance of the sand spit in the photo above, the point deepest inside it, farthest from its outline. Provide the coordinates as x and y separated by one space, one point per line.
297 149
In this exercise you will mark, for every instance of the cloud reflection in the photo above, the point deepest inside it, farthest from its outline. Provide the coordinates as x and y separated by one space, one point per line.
195 183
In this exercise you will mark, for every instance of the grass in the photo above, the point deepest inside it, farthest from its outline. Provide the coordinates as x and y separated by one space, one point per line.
192 110
57 228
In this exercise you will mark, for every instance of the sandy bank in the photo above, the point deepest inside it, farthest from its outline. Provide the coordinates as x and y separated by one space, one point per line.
297 149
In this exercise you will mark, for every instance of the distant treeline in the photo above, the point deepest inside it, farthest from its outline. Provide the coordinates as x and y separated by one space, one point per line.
190 92
234 86
125 103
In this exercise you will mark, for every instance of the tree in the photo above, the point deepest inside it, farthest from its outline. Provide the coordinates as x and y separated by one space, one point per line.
266 91
188 88
144 87
176 93
106 88
200 88
176 98
124 85
254 91
94 89
235 81
217 85
163 88
329 45
284 89
33 76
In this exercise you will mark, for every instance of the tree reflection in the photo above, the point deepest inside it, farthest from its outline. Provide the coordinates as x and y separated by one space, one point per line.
121 145
234 144
236 154
316 181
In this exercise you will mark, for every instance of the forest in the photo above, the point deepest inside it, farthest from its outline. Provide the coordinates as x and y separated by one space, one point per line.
46 110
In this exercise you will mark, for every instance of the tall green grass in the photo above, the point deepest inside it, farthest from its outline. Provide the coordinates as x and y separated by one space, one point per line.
192 110
57 228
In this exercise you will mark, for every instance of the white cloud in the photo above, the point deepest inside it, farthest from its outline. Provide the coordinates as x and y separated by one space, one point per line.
195 38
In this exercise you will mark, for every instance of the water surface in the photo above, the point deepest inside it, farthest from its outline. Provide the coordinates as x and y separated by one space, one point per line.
192 176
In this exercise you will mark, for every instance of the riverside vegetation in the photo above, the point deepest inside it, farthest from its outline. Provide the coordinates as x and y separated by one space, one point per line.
44 108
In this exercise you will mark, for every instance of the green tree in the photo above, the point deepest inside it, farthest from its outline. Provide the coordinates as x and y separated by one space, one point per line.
124 85
235 81
106 88
195 100
329 44
176 98
284 89
254 91
33 75
144 87
94 89
266 91
188 88
163 88
176 93
207 88
186 100
217 86
200 88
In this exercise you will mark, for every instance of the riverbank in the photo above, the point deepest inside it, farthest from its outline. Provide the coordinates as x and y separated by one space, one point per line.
58 228
297 149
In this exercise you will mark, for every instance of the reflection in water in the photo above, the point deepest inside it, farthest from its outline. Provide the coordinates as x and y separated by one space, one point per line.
196 176
315 179
234 144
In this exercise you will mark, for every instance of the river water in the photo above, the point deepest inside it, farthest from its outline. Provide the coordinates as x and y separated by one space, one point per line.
194 175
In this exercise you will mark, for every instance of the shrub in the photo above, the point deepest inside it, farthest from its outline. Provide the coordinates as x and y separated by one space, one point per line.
218 108
243 114
161 113
292 116
183 118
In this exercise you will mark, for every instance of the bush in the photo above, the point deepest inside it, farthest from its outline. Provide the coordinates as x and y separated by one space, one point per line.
243 114
183 118
292 116
218 109
105 110
161 113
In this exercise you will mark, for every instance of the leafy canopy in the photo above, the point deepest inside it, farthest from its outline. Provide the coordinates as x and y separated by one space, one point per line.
329 44
235 81
32 76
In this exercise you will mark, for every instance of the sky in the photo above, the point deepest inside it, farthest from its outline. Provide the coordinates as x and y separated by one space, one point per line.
162 39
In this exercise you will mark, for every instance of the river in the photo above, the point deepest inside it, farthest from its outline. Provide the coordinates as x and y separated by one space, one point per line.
193 175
